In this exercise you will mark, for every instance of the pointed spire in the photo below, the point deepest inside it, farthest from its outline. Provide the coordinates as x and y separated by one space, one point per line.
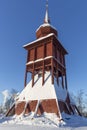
46 20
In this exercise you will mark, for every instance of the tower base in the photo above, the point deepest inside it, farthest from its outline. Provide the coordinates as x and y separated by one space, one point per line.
49 98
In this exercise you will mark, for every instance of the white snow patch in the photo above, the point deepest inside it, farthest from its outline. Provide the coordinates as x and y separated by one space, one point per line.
39 92
41 59
74 120
46 25
60 91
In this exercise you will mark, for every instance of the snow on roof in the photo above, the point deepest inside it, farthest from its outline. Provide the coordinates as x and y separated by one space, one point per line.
39 39
46 25
39 92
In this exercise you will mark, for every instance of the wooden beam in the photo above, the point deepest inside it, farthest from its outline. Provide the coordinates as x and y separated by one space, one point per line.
62 81
52 67
43 74
25 77
52 71
57 75
43 65
32 79
33 70
65 80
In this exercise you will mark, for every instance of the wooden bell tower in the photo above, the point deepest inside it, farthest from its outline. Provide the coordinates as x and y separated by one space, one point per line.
47 91
46 53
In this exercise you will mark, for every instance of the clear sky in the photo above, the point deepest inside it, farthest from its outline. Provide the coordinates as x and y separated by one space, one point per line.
19 20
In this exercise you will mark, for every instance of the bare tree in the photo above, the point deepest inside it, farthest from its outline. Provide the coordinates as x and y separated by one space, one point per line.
10 100
80 101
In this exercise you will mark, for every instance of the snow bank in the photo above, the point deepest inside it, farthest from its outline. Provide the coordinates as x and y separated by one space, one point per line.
74 120
21 127
46 122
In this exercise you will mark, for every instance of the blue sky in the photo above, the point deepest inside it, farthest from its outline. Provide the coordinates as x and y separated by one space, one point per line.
19 20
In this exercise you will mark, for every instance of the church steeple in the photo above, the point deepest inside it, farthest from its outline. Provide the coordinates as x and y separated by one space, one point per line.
46 28
46 19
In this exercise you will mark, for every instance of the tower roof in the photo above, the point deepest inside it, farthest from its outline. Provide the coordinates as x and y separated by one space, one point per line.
46 28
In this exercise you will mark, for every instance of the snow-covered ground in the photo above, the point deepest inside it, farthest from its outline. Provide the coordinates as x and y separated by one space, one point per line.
46 122
22 127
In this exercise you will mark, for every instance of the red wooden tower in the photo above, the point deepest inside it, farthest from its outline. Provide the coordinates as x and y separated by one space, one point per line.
47 90
46 54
